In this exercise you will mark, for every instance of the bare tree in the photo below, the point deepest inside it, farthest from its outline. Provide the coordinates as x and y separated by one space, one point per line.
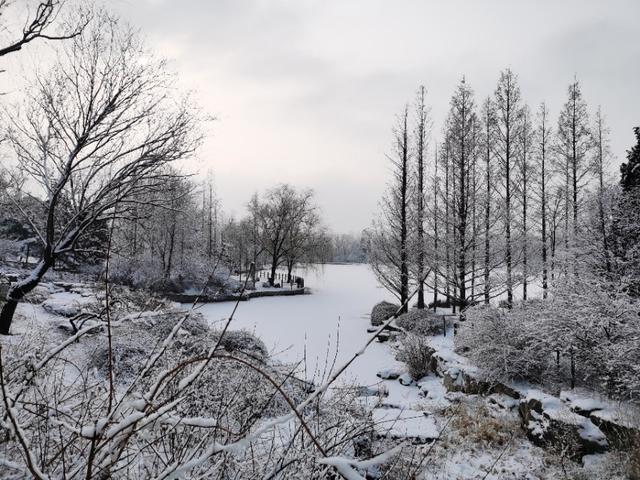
282 212
573 144
307 242
421 142
95 132
525 167
508 124
42 25
602 154
387 243
543 142
488 120
461 126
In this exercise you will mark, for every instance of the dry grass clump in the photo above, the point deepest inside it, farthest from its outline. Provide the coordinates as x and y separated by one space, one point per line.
480 426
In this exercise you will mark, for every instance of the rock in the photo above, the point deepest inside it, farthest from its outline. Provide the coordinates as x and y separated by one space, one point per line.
404 424
390 373
378 390
405 379
383 337
457 380
503 402
620 434
382 312
550 424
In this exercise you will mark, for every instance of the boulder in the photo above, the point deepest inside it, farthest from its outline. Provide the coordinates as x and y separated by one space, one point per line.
391 373
404 424
549 423
620 434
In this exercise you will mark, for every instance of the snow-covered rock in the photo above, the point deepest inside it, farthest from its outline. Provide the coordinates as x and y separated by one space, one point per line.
391 373
66 304
405 379
412 425
549 422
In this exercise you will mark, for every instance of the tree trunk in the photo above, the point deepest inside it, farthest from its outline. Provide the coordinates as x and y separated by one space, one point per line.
17 293
543 213
274 266
487 217
435 236
404 267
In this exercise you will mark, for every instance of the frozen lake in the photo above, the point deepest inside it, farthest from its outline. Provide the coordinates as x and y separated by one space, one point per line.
328 325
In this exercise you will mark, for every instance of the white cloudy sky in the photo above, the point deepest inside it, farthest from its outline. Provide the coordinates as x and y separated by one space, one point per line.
305 91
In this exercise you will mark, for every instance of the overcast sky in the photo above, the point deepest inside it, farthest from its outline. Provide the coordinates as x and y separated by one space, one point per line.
306 91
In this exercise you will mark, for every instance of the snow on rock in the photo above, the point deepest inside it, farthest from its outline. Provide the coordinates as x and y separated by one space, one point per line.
504 402
405 379
431 389
582 402
549 422
620 426
413 425
391 373
66 304
377 390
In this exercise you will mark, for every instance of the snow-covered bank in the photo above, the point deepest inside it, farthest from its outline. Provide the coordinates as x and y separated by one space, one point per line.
475 437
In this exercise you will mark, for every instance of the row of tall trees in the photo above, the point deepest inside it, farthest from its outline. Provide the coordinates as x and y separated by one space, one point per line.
507 198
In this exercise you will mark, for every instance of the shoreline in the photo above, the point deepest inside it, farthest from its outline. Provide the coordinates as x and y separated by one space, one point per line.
191 298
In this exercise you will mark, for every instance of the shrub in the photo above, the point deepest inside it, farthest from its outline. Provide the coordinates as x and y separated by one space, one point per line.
584 334
420 322
382 312
416 353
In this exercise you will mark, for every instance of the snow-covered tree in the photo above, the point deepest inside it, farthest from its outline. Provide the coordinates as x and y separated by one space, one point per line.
508 123
387 243
95 138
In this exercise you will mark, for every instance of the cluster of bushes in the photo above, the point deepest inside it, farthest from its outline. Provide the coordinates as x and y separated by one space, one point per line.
583 335
146 275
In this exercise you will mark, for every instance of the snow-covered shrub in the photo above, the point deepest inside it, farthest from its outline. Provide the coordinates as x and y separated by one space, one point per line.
584 334
421 322
169 411
414 350
382 312
243 340
504 344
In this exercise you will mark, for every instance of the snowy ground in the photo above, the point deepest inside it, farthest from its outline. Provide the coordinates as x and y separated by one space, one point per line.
478 438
